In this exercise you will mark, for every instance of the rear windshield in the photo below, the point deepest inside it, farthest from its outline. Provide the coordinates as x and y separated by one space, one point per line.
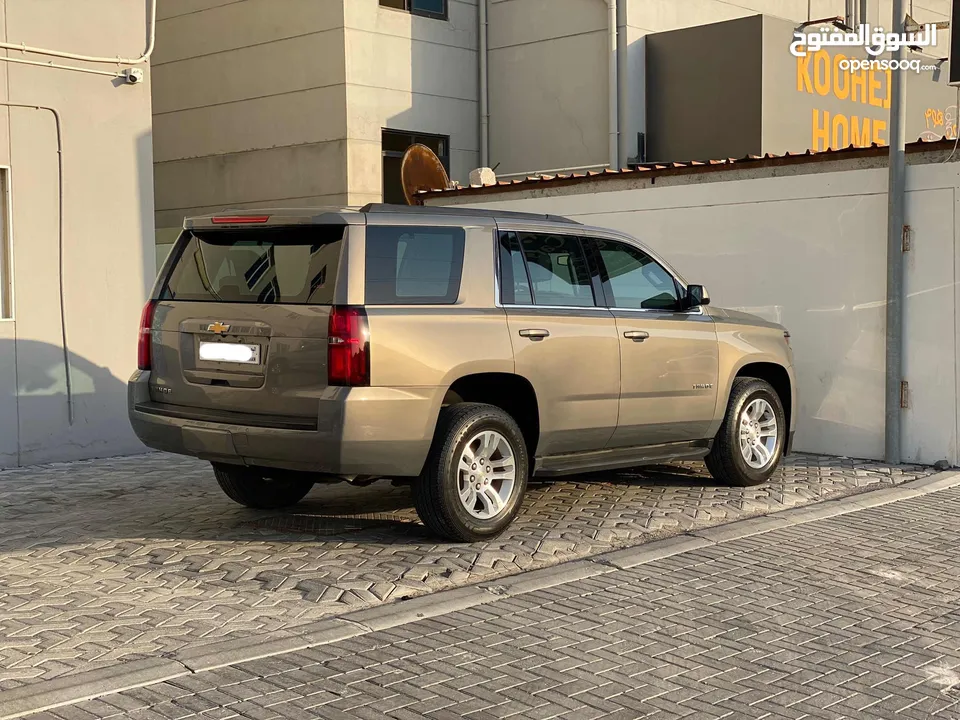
408 265
279 265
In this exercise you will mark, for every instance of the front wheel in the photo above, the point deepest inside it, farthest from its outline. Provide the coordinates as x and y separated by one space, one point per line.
253 488
749 444
476 475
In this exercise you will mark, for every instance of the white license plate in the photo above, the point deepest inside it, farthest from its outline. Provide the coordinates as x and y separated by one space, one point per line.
230 352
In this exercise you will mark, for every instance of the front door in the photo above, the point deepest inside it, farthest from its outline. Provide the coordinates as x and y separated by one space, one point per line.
564 343
669 357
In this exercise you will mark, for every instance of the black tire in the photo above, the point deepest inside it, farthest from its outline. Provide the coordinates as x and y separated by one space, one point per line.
725 460
436 491
253 488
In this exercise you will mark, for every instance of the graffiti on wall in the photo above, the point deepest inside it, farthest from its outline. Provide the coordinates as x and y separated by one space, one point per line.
939 123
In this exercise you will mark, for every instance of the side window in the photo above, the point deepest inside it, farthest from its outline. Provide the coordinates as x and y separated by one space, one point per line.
514 282
634 280
413 265
557 269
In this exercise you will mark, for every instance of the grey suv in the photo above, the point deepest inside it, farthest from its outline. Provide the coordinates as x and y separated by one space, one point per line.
460 350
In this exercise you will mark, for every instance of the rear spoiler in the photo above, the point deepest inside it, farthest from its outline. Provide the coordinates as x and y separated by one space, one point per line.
228 219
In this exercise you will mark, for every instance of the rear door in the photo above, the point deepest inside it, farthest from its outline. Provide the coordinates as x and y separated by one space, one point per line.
669 357
242 318
563 342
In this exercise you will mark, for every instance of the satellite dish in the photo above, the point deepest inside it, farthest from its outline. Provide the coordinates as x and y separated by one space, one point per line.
421 170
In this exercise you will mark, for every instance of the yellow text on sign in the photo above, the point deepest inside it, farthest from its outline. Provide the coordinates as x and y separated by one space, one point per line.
819 73
840 131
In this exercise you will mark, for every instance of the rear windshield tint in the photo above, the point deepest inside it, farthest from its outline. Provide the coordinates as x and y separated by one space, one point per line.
413 265
279 265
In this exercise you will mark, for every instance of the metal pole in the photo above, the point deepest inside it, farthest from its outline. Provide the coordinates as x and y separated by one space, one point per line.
484 88
613 86
896 192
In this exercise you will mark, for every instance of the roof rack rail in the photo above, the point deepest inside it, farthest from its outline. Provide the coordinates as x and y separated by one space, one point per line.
462 211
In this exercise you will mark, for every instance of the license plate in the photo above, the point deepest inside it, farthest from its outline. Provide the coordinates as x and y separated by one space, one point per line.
230 353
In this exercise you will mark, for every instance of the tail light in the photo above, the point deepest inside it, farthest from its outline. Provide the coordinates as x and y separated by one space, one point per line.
240 219
144 353
786 337
348 349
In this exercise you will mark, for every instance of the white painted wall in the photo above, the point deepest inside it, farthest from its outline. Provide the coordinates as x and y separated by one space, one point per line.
809 250
108 240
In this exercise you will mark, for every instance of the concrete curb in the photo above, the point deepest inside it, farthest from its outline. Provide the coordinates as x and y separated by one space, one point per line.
719 534
88 685
78 687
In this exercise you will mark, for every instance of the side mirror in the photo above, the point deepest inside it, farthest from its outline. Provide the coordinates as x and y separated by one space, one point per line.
696 296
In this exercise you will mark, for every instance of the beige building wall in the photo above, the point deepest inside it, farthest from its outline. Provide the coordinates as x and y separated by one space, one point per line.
548 84
108 261
249 107
411 73
261 103
549 72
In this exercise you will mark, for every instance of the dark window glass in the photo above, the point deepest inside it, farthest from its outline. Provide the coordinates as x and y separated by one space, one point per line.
632 279
393 181
430 8
288 266
413 265
394 143
557 269
514 283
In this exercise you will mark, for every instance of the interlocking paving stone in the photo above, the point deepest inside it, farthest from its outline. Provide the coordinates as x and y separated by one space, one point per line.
703 634
107 561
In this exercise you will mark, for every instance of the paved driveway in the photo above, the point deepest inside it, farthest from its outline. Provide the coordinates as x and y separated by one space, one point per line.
113 560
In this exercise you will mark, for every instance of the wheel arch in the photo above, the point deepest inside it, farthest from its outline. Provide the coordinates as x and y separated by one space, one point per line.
777 375
512 393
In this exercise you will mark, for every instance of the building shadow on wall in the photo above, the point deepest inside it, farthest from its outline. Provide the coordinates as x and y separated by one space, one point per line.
35 422
441 111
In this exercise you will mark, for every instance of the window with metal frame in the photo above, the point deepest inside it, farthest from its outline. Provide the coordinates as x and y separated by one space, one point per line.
427 8
6 249
394 143
633 280
544 269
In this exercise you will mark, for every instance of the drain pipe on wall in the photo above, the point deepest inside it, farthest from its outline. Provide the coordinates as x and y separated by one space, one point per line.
484 88
63 317
116 60
613 85
896 194
623 105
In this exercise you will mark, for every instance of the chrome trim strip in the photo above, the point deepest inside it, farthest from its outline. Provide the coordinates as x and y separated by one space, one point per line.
696 311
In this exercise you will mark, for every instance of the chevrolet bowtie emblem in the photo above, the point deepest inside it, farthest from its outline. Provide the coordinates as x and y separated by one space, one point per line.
218 327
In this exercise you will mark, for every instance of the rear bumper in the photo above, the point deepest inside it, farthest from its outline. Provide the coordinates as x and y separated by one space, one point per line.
359 431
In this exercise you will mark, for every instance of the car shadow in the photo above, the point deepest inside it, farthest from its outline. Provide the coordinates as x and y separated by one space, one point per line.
183 502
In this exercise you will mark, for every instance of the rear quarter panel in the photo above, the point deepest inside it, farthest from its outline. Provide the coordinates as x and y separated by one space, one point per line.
429 347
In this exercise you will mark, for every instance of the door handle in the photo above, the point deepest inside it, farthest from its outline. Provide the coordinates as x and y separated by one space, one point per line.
636 335
534 334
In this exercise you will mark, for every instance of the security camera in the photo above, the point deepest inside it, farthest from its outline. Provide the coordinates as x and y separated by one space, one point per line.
133 75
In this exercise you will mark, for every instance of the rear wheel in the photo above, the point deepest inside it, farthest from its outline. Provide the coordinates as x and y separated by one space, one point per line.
253 488
473 483
750 442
